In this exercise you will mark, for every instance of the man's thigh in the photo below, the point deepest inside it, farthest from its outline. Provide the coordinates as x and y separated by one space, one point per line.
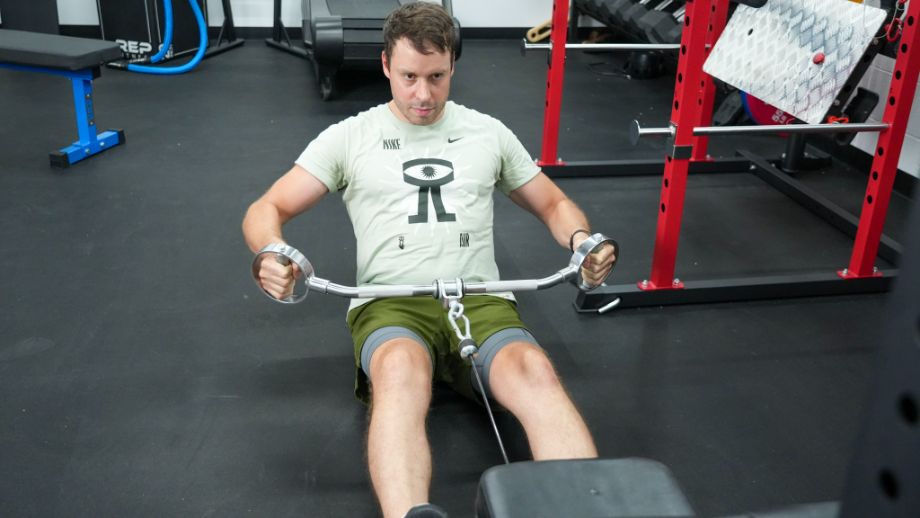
372 325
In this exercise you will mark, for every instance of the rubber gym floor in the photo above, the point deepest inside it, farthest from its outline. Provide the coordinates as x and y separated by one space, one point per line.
142 372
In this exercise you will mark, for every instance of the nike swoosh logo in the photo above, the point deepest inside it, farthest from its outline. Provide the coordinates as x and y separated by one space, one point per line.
452 140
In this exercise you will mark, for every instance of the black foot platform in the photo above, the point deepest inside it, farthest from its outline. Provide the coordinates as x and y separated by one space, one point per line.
598 487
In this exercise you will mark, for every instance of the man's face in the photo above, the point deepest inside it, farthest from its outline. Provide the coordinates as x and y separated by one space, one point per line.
420 82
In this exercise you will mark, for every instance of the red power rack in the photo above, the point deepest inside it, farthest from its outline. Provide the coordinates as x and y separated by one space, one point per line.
692 106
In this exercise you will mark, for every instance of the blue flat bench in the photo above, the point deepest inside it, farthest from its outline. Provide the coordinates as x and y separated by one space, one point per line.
78 59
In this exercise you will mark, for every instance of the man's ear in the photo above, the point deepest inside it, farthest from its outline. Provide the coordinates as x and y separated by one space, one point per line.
385 63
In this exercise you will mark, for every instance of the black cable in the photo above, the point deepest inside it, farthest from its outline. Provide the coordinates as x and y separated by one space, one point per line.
485 399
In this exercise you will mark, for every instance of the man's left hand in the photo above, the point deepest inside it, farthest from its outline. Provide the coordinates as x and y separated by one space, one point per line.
598 263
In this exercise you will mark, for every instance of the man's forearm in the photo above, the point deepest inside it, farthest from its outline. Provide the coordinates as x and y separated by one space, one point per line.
565 219
262 225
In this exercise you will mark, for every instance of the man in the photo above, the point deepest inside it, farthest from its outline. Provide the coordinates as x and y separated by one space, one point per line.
418 175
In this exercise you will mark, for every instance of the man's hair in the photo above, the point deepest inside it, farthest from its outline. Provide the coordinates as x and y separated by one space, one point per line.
426 25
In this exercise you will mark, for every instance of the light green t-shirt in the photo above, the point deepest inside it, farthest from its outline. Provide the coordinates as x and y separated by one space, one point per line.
420 197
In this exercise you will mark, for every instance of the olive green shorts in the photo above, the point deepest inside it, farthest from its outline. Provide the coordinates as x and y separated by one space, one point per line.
494 322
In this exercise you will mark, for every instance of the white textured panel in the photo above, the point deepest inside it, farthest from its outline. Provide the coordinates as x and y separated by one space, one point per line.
768 52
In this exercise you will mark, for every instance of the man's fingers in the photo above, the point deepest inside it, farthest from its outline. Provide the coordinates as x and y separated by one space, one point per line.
597 265
277 279
603 253
275 288
592 280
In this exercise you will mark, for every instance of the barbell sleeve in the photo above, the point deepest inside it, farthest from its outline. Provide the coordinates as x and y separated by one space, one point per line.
860 127
623 47
636 131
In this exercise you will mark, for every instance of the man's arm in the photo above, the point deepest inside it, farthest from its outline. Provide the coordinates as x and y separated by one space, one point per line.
541 197
293 193
546 201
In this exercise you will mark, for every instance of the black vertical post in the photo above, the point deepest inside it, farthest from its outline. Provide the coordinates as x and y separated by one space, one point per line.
276 22
229 26
795 153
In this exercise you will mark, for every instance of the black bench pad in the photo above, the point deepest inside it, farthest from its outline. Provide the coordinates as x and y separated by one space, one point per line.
54 51
631 487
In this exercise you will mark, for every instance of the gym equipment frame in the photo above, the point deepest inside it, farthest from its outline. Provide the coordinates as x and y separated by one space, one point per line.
549 160
686 152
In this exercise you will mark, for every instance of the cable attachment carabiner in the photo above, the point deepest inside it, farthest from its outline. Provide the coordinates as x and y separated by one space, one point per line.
467 346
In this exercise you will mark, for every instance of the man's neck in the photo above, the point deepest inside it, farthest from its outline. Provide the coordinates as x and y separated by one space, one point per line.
398 114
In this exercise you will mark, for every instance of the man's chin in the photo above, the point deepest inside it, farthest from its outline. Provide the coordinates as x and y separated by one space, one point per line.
422 118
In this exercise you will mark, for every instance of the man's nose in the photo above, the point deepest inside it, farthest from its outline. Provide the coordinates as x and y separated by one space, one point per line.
423 92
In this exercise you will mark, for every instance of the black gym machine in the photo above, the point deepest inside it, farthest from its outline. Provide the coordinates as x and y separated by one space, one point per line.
339 34
640 19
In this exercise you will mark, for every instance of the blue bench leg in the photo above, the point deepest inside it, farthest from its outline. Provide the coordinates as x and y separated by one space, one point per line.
89 142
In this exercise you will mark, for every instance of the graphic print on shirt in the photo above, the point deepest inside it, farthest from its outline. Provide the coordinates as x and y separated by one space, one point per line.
429 174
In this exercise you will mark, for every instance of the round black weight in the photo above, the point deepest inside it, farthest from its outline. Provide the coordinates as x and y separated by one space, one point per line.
644 65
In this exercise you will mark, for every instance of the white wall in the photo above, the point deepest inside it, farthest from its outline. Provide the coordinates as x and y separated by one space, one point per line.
258 13
77 12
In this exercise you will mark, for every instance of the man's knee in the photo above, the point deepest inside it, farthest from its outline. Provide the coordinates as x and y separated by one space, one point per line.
401 362
523 365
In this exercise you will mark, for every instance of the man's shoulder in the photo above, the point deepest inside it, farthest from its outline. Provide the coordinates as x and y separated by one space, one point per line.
372 115
469 115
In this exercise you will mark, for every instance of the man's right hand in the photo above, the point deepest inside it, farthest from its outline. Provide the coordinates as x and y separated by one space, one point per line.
277 276
292 194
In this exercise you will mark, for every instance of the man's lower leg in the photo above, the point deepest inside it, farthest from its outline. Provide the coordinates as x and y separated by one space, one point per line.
523 380
399 457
